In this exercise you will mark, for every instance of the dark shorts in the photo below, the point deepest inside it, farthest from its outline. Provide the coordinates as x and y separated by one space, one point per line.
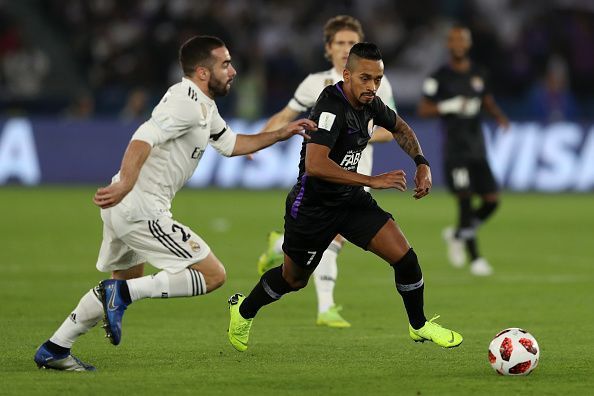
308 234
470 176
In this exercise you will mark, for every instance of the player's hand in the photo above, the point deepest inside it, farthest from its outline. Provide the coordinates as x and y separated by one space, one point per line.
297 127
109 196
393 179
422 181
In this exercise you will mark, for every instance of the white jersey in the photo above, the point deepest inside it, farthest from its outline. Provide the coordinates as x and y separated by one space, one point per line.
181 126
307 94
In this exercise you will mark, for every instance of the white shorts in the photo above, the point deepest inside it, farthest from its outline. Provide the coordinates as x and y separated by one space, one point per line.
164 243
365 165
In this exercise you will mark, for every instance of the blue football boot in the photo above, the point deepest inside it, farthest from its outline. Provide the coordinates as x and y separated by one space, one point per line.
48 360
113 308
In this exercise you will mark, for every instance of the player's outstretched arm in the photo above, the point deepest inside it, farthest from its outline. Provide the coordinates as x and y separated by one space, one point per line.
135 156
246 144
280 119
407 139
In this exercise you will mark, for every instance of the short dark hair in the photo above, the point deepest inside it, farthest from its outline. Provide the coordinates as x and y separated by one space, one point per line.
196 51
363 50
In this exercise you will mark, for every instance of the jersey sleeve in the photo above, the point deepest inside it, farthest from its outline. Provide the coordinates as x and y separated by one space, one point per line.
384 116
171 119
222 138
306 95
329 116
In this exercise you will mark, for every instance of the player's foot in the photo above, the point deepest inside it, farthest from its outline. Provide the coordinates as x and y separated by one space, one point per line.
455 247
480 267
431 331
239 328
271 258
332 318
48 360
113 308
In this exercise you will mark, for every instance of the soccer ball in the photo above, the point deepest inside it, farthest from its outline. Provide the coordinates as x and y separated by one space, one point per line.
514 351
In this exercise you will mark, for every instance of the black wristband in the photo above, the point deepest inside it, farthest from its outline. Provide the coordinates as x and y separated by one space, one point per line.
420 160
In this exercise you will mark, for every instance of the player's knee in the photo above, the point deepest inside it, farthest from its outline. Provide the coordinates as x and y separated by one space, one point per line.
409 259
215 279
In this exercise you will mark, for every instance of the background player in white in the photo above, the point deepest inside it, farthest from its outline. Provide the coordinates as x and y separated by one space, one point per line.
137 223
340 34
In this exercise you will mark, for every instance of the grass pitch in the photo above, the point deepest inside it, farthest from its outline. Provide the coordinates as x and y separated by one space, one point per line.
541 246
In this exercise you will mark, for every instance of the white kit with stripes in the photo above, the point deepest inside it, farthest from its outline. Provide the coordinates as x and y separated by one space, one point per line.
141 228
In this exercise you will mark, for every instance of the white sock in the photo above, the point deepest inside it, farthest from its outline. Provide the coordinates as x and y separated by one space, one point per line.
325 277
85 316
186 283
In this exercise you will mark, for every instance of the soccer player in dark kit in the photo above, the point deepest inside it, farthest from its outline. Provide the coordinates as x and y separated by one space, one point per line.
329 199
456 93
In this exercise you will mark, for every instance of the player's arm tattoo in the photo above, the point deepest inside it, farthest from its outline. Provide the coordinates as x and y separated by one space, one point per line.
406 138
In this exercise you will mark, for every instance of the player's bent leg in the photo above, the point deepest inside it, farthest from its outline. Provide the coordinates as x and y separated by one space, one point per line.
389 243
213 272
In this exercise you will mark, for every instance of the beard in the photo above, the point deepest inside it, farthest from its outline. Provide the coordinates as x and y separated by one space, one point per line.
219 88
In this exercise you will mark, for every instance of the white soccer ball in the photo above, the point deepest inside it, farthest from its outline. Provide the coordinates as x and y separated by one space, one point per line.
514 351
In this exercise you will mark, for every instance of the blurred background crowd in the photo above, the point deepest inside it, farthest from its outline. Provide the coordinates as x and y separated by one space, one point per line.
95 58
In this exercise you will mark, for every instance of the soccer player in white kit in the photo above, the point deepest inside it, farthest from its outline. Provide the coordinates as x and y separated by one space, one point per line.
135 208
340 34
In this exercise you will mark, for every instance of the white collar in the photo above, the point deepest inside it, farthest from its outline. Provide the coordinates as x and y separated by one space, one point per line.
335 75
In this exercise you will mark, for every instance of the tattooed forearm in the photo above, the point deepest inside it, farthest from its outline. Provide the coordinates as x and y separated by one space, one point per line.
406 138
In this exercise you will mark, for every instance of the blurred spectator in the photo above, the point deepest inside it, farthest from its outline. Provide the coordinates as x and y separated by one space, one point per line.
24 67
120 45
82 107
550 99
137 106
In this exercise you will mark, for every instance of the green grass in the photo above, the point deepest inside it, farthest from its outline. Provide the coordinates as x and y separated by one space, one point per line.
540 245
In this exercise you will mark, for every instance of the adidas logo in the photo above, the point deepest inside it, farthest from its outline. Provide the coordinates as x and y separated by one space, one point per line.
73 317
192 94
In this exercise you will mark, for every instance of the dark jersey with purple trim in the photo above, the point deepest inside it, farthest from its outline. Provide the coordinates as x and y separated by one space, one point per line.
346 131
464 135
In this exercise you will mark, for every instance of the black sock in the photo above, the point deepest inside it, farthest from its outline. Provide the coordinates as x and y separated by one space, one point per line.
486 210
472 248
270 288
465 216
125 293
56 349
409 283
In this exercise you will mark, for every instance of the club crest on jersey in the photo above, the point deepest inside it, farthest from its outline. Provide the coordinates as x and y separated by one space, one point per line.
195 246
370 127
477 84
